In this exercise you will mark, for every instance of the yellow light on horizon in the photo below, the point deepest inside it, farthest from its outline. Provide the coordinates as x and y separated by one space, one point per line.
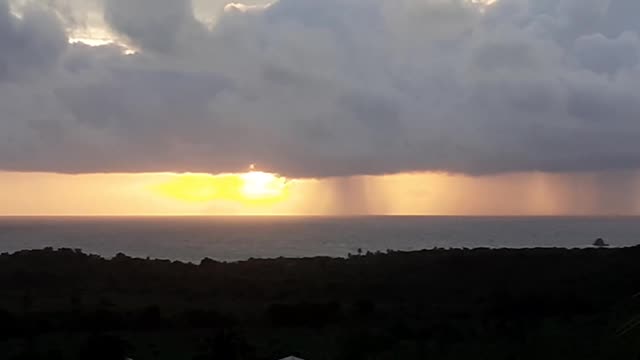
121 194
250 187
259 185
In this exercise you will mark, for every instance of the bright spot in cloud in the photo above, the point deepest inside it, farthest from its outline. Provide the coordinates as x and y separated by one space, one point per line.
96 36
95 42
484 2
246 8
91 41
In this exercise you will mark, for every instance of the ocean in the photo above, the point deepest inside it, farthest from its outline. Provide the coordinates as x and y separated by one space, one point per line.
239 238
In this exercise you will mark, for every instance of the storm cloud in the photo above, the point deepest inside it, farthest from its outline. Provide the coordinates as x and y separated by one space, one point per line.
310 88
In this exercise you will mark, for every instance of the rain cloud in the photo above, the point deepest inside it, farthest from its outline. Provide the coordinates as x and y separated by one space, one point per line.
310 88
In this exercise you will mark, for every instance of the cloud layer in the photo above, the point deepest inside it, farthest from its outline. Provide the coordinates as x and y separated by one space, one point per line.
311 88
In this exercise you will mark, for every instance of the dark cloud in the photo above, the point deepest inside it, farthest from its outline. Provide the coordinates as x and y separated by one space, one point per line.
28 45
326 88
608 55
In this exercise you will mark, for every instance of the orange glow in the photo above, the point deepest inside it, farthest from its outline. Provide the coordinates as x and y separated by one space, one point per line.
261 193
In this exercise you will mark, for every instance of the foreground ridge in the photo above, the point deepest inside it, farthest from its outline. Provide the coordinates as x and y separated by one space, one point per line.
505 303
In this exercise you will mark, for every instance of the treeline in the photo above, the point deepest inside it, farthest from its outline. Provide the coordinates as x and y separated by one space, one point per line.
442 304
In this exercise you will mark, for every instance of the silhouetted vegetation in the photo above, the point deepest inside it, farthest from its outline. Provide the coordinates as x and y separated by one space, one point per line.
437 304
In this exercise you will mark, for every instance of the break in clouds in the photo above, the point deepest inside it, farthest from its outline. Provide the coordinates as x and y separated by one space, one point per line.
312 88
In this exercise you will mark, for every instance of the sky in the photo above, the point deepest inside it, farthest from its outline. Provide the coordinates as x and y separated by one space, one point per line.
296 107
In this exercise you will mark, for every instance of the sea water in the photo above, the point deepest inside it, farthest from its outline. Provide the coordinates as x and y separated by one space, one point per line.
239 238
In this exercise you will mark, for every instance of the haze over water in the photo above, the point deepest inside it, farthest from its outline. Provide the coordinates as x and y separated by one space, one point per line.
239 238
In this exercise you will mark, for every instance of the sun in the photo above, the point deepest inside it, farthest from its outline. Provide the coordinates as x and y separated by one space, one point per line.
253 187
259 185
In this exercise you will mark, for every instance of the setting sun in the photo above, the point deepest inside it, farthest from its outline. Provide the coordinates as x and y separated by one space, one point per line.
260 185
253 186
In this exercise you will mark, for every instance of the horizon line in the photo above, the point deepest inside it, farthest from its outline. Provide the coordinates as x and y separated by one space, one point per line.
310 215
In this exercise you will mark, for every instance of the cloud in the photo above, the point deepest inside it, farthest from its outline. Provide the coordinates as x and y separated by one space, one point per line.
28 45
157 25
312 88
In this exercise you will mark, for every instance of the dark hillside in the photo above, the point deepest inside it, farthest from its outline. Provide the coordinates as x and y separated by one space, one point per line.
441 304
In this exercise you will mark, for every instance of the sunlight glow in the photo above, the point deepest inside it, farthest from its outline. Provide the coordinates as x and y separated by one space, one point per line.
96 42
262 193
244 8
253 186
90 41
260 185
484 2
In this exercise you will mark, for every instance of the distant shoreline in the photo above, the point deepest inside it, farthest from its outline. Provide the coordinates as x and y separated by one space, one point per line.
365 253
